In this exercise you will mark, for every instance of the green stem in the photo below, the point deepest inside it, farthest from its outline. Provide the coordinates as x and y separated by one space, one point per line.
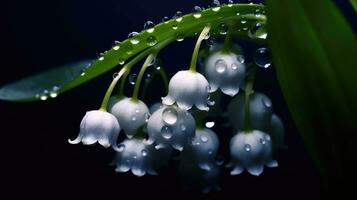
127 68
122 84
202 36
146 64
228 44
248 92
104 105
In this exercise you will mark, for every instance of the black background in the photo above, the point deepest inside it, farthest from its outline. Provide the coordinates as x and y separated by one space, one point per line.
37 160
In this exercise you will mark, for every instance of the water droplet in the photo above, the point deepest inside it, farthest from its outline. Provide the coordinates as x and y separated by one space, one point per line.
158 67
149 26
262 58
230 3
147 117
183 127
234 66
174 26
204 138
267 137
169 115
121 147
54 92
135 157
262 141
240 58
210 103
151 40
133 36
116 47
83 72
178 16
257 31
210 152
165 19
132 78
179 37
101 58
133 118
44 95
215 4
243 21
121 61
209 124
238 13
220 66
266 102
115 75
144 152
197 12
207 36
223 29
116 42
166 132
129 48
137 111
247 147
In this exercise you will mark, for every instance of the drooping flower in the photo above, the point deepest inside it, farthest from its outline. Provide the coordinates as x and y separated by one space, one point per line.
130 114
188 88
98 126
251 151
226 71
171 126
135 155
203 149
261 111
154 107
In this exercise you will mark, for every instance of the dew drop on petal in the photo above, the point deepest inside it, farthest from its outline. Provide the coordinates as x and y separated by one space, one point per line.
209 124
247 148
204 138
267 137
220 66
266 102
183 127
147 116
262 141
240 58
262 58
144 152
166 132
234 66
133 118
132 79
169 115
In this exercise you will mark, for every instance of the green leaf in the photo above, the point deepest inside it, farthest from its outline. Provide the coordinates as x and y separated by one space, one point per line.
187 26
42 86
314 53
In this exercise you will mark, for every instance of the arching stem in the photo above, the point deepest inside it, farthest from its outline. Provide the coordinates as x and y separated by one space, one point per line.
202 36
249 91
146 64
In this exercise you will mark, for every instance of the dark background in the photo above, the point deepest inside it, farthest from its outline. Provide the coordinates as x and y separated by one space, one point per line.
36 158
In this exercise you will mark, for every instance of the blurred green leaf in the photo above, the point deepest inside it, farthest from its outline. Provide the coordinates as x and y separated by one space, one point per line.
187 26
314 53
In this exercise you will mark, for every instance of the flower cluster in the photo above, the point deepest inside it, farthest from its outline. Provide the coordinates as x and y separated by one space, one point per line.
176 125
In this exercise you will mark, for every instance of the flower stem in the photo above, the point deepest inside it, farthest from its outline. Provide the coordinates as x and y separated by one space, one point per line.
202 36
127 68
146 64
228 43
122 84
249 91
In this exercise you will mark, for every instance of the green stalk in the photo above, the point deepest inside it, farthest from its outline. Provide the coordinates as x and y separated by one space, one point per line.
202 36
249 91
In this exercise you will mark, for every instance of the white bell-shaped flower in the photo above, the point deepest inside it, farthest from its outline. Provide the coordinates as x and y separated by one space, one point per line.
154 107
226 71
130 114
98 126
195 178
251 151
203 149
171 126
261 111
276 131
188 88
135 155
